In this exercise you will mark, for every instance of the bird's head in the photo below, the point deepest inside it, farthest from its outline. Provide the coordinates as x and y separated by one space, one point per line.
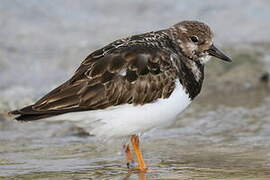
195 39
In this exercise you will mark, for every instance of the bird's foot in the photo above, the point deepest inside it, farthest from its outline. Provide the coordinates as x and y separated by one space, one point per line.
139 169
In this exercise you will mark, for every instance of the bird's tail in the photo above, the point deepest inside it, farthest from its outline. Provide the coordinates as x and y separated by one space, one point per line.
29 114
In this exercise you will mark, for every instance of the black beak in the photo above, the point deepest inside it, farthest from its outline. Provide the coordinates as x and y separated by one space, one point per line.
213 51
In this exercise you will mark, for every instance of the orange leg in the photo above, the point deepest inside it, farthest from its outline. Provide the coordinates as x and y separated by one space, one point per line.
129 156
135 143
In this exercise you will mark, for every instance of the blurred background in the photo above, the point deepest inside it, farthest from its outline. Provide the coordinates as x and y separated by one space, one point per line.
226 132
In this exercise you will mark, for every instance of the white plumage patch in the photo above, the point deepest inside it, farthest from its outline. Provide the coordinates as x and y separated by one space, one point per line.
204 59
124 120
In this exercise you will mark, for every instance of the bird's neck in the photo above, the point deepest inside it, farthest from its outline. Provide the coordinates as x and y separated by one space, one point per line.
191 75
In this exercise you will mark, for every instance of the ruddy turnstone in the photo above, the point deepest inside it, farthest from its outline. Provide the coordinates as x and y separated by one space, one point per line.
132 85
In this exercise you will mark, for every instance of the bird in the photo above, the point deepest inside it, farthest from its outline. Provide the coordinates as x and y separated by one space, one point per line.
132 85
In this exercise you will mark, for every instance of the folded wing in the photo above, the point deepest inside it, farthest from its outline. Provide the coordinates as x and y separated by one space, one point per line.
120 73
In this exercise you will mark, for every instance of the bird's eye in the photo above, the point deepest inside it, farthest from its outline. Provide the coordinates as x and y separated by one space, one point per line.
194 39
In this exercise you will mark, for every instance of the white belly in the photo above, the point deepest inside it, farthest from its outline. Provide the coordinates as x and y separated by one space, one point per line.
128 119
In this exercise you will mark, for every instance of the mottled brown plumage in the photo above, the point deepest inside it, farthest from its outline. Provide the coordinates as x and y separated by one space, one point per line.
136 70
133 84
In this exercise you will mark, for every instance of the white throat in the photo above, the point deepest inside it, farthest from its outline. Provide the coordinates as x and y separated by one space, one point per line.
204 59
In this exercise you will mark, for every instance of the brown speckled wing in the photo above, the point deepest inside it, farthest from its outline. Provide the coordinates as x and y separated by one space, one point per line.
125 72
